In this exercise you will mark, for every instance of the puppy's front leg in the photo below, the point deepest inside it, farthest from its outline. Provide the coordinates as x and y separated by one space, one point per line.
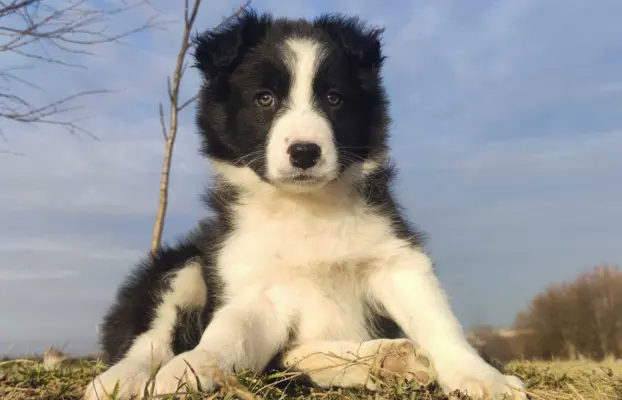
245 334
407 288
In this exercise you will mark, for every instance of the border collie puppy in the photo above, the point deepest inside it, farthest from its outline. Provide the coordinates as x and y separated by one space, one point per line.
307 261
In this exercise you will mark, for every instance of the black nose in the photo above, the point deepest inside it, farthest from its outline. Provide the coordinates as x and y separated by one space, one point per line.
304 154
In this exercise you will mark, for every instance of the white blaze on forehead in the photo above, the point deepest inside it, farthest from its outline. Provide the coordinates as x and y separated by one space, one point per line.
299 119
303 57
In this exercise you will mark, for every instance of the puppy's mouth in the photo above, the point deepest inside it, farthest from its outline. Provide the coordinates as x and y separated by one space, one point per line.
302 179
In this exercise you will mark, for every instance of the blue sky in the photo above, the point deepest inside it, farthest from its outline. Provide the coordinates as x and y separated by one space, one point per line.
507 130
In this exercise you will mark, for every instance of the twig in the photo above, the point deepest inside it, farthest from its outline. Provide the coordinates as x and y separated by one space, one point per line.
71 26
172 91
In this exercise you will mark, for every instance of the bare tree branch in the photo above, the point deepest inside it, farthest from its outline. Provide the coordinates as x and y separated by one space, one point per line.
52 33
162 124
12 153
188 102
234 15
172 90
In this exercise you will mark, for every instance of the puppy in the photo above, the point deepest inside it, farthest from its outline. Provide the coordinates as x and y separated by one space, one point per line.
307 258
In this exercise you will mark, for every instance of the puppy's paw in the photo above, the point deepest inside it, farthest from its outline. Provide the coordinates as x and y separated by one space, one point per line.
471 375
400 359
130 376
190 371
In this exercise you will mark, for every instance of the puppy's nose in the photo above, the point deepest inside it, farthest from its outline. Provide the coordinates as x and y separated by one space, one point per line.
304 154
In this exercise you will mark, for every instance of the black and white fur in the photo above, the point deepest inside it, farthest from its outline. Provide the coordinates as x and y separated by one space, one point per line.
308 252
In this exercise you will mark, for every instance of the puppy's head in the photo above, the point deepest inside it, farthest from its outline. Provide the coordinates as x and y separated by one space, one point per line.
293 103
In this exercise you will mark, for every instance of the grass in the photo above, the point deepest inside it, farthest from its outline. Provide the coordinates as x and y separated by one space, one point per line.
28 379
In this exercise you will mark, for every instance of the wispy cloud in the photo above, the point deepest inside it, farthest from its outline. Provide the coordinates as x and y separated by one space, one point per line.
506 128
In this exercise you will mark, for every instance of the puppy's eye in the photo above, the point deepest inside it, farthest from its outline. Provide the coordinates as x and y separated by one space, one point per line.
334 98
265 99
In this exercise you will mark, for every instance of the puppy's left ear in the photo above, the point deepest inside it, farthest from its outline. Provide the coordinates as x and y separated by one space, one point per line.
362 43
220 51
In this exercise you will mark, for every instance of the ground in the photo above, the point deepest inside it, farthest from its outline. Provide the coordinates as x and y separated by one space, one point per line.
28 379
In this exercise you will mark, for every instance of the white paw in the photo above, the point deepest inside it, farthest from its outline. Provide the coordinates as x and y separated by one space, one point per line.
401 359
472 375
177 377
130 375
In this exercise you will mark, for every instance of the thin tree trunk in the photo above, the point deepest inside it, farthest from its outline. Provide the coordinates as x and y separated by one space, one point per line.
163 204
175 108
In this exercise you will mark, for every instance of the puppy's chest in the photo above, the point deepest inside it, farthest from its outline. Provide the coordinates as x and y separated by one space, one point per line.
298 237
331 305
318 261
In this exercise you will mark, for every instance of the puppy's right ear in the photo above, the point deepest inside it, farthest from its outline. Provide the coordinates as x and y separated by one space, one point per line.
220 50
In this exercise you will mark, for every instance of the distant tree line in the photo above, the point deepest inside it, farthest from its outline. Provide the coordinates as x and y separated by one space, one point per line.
572 320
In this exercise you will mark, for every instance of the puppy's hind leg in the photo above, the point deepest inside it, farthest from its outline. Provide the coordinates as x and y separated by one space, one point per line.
184 290
367 364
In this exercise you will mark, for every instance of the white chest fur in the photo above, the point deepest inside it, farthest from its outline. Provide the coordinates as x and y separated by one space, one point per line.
321 250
